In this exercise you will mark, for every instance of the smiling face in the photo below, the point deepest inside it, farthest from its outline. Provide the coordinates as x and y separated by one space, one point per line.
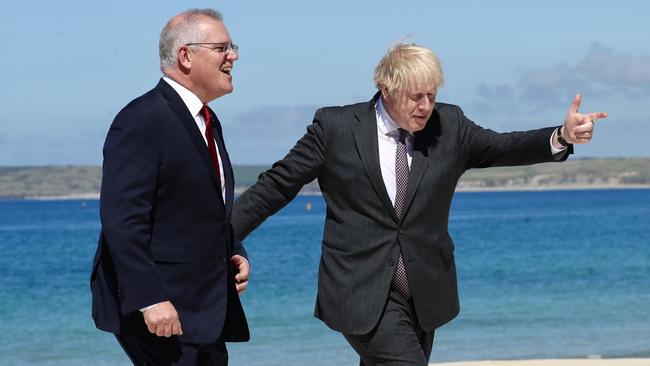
202 65
208 69
410 109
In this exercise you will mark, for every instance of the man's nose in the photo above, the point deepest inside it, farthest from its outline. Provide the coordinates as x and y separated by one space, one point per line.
426 104
232 55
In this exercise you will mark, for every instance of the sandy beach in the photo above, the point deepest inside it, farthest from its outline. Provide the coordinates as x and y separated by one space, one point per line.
555 362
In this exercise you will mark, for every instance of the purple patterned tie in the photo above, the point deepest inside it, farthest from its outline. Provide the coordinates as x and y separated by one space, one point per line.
400 279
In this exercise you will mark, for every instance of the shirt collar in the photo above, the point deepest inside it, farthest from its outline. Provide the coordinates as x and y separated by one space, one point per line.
385 123
192 102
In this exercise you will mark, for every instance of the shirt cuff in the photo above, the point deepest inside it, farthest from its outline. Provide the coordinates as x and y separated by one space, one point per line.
142 310
555 150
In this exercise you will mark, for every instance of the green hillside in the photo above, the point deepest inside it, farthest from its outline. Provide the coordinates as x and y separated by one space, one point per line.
84 181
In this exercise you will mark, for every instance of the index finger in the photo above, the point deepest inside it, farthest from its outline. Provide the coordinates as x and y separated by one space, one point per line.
597 115
237 259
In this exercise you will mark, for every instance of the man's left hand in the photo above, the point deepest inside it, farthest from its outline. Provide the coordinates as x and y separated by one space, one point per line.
579 127
243 269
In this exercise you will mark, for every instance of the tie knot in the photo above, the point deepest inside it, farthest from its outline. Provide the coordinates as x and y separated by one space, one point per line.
402 134
205 112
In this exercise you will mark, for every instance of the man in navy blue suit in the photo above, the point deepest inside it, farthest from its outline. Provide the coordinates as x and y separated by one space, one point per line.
168 270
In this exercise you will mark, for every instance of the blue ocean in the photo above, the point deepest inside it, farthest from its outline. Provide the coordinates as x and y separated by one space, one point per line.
541 274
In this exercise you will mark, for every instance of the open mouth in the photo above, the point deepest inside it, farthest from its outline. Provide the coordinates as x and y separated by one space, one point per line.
226 70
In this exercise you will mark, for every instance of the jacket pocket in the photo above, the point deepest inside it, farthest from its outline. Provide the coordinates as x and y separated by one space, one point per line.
335 247
170 253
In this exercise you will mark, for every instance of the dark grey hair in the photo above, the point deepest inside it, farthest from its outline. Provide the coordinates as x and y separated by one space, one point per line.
180 30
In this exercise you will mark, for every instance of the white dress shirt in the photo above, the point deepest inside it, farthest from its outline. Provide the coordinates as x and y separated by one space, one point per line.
388 136
194 105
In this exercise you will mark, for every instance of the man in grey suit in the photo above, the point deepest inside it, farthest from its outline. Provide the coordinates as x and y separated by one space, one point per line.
387 169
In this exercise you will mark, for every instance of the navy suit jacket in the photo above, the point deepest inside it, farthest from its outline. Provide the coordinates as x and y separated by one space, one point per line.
166 232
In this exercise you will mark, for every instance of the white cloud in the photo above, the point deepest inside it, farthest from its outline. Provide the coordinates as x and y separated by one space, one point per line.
604 66
601 72
551 85
499 91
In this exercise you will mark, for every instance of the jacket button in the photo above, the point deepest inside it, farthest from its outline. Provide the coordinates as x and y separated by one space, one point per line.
223 259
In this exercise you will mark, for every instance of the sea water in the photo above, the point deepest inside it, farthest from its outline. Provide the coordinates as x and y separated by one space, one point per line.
541 274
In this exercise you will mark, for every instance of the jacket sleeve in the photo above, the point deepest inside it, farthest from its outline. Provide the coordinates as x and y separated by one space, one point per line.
238 248
130 173
484 148
277 186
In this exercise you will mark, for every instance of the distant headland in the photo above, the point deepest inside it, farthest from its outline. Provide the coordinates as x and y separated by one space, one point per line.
62 181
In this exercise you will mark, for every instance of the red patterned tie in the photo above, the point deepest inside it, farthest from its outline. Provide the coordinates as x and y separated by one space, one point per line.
400 278
209 135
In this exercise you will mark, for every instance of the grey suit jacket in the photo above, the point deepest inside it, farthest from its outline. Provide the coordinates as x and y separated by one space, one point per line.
362 236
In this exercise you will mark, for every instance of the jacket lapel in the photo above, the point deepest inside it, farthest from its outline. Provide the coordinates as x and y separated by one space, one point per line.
225 164
423 142
187 120
419 165
365 138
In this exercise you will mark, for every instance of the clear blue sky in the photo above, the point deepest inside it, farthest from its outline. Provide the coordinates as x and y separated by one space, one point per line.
69 66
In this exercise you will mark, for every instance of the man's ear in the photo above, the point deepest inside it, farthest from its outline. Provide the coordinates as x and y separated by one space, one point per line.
184 58
384 92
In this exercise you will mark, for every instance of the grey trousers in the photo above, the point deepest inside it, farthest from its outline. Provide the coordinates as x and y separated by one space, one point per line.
397 339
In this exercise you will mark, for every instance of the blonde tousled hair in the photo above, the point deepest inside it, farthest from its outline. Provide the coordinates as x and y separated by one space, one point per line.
406 66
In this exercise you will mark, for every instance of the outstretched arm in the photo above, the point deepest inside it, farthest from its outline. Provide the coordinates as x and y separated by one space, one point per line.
279 185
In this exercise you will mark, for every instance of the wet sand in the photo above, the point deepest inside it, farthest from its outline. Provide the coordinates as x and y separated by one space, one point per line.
555 362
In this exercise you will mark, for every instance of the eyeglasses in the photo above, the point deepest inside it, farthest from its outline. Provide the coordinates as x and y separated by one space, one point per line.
221 47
